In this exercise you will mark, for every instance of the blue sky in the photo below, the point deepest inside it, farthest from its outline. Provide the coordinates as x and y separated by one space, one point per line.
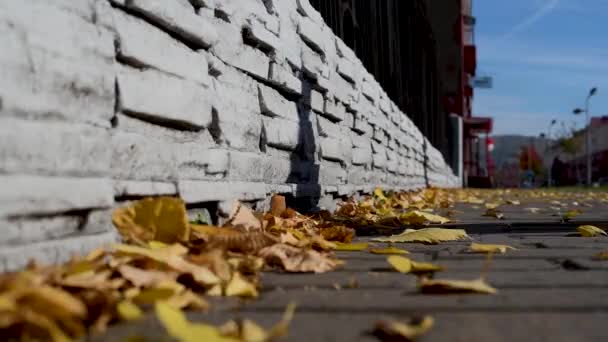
544 56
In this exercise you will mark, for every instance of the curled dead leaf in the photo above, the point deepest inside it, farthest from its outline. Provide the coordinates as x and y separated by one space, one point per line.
351 247
444 286
426 235
590 231
489 248
294 259
392 330
419 218
388 250
406 265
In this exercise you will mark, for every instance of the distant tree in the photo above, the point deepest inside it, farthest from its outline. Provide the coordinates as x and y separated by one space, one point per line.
528 155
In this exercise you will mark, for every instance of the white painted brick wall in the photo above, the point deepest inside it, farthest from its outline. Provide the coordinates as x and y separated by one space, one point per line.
108 100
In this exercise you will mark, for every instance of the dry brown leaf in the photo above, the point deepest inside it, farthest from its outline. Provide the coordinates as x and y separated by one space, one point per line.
241 287
338 234
426 235
599 256
388 250
294 259
406 265
163 219
444 286
590 231
243 217
166 256
145 278
392 330
351 247
418 218
489 248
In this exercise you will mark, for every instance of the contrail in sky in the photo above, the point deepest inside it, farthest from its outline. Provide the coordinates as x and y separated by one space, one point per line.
545 9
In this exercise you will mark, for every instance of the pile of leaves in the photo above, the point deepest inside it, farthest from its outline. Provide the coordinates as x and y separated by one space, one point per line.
164 259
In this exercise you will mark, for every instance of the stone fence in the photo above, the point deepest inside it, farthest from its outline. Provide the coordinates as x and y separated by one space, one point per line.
105 101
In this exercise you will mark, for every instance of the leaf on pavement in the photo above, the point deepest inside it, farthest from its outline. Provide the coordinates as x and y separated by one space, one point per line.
249 331
533 210
393 330
294 259
494 212
406 265
351 247
444 286
338 234
241 287
489 248
513 202
427 235
379 194
242 217
163 219
590 231
601 256
570 214
388 250
178 326
145 278
127 311
418 218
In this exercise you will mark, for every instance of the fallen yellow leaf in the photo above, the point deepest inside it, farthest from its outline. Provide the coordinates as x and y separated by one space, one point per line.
418 218
163 219
178 326
392 330
590 231
379 194
244 218
388 250
489 248
455 286
426 235
351 246
569 215
127 311
601 256
406 265
240 287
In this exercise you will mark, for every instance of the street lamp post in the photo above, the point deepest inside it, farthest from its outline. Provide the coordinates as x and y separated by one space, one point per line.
592 92
547 143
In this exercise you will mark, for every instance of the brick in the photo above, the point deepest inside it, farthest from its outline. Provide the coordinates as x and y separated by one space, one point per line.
138 157
282 134
335 149
257 32
129 188
317 101
232 50
24 195
27 230
238 106
177 17
306 9
273 104
64 69
369 89
153 96
53 148
282 77
257 167
332 174
53 252
196 162
346 69
327 128
379 160
143 45
362 156
313 64
313 34
334 110
204 191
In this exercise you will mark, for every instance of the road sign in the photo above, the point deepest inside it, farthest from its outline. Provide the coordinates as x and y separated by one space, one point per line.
482 82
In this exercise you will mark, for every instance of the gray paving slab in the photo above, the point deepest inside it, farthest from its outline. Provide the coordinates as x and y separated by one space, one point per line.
407 301
448 327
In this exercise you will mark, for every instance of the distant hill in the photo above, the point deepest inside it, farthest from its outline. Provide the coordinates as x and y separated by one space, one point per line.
508 147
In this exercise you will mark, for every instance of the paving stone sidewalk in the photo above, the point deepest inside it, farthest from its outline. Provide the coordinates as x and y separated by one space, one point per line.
550 289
